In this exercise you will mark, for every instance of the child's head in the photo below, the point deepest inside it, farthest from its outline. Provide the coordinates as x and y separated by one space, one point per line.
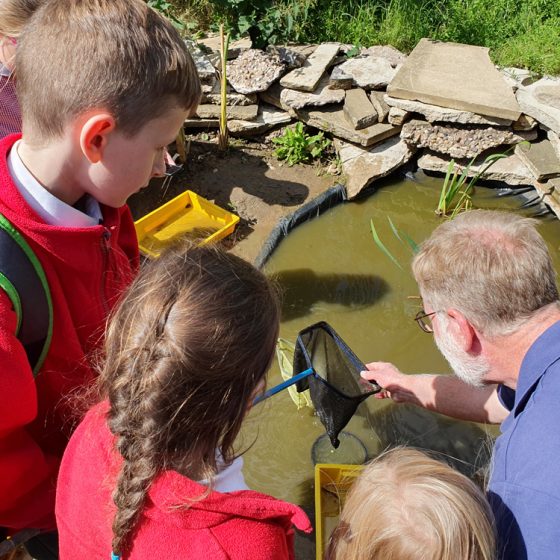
110 77
186 351
13 16
408 506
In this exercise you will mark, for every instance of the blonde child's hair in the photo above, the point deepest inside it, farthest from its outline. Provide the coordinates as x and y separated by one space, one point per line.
118 56
14 14
408 506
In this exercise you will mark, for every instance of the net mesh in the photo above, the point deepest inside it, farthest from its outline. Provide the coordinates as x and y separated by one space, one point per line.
336 387
10 116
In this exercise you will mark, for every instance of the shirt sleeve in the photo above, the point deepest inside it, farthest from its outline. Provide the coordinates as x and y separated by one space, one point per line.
27 474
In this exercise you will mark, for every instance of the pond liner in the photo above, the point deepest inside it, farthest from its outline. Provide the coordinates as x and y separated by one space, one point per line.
315 207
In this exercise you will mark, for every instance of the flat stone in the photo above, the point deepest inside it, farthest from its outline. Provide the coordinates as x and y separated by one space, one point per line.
214 97
333 120
550 193
554 139
272 97
254 71
205 69
540 158
378 102
455 76
339 79
434 113
398 116
525 122
459 142
510 170
290 57
517 77
267 118
363 166
389 53
193 122
308 76
541 101
241 112
305 50
367 72
358 109
322 95
235 48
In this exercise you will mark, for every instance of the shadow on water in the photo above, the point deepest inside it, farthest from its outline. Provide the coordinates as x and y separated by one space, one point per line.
303 288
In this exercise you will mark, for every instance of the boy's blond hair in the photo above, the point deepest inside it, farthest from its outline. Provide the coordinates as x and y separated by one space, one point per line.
114 55
14 15
409 506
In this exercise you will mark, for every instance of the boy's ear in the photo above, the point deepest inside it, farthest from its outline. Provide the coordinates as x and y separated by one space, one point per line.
94 135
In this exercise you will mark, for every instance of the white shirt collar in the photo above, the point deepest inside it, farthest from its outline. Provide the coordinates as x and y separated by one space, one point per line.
5 71
53 210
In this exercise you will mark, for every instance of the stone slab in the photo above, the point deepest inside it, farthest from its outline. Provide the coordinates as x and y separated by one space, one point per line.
340 80
358 109
367 71
455 76
554 139
377 99
525 122
517 77
242 112
201 123
541 101
205 69
272 97
267 118
322 95
290 57
388 52
550 194
460 141
333 120
510 170
308 76
398 116
363 166
235 48
540 158
434 113
254 71
214 97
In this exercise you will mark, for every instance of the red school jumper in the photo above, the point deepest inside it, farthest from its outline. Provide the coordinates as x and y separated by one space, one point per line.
242 525
87 269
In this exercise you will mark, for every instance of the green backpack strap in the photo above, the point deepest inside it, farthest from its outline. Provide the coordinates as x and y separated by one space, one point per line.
23 279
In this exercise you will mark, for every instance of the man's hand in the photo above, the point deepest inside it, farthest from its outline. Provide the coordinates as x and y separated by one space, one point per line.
396 385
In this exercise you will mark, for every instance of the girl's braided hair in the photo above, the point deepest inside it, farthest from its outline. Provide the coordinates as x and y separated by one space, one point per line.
186 350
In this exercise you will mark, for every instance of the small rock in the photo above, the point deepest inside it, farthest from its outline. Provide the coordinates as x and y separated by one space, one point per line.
214 97
291 58
540 158
517 77
358 109
340 79
389 53
205 69
322 95
397 116
525 122
235 48
378 102
267 118
367 72
541 101
254 71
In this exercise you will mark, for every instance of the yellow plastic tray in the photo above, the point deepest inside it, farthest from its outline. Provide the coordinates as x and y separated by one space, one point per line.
332 483
185 214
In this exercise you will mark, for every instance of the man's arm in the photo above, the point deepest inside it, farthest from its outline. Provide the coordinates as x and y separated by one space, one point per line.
446 394
27 474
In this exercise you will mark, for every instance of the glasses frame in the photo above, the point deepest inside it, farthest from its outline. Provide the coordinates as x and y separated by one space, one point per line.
424 325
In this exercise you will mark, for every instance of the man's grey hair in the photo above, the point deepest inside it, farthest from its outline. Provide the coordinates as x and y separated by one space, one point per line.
492 266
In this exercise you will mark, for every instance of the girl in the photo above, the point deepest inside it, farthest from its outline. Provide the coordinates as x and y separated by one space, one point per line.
151 472
13 16
408 506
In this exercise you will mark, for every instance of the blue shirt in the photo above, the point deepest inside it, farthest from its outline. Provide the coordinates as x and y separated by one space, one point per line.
524 487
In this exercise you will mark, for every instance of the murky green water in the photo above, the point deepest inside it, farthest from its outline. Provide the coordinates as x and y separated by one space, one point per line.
331 270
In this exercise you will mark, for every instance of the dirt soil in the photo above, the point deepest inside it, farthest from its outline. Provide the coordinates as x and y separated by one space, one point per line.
248 181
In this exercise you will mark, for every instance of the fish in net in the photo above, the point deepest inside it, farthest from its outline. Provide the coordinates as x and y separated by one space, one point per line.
336 387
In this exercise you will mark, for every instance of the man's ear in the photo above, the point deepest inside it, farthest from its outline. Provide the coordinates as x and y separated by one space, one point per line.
94 135
463 331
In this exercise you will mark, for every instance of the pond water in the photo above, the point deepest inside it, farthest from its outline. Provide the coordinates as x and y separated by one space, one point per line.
331 270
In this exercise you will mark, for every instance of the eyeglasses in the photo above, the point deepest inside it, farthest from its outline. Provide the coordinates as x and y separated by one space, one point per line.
425 325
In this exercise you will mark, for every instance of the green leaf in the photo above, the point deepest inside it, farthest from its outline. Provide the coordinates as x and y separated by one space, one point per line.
380 244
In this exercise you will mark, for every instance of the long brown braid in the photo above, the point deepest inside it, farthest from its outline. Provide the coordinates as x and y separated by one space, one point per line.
185 351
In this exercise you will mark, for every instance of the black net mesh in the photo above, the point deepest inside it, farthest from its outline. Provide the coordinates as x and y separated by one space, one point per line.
336 388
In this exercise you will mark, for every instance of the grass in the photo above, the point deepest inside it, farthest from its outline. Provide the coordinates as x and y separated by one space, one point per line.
523 33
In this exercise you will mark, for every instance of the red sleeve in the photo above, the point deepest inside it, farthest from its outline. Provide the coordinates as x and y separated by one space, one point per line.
27 475
128 240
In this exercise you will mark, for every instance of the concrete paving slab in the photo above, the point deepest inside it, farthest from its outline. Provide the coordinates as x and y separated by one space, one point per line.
358 109
455 76
307 77
540 158
334 121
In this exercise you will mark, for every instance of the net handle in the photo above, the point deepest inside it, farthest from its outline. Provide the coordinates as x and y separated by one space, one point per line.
284 385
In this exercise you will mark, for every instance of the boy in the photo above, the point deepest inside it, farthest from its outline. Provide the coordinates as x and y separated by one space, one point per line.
104 86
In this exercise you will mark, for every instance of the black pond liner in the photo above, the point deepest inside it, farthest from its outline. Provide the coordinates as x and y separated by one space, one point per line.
336 387
325 201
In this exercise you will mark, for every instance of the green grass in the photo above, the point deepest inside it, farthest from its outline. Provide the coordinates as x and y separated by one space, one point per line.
524 33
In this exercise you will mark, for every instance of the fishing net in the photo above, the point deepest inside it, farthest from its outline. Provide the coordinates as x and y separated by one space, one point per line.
336 387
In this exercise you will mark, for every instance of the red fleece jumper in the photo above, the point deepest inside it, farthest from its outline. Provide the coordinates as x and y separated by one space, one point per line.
243 525
87 269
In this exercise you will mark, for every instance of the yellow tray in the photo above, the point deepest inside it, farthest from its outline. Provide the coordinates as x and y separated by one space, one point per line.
332 483
184 215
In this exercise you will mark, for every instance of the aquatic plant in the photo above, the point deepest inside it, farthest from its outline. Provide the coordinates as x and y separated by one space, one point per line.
296 146
223 133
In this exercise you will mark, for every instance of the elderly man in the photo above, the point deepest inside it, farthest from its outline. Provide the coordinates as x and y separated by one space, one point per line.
491 301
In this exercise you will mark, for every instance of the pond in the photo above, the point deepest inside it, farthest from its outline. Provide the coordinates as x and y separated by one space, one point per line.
331 270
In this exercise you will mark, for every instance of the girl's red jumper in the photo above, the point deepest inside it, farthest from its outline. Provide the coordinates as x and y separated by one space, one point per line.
243 525
87 269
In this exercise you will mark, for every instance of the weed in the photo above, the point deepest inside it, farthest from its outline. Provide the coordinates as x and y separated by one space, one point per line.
166 9
296 146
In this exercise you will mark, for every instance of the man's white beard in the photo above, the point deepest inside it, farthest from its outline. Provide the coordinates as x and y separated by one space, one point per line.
470 369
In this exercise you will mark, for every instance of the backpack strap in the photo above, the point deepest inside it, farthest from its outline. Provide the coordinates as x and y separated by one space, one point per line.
23 279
